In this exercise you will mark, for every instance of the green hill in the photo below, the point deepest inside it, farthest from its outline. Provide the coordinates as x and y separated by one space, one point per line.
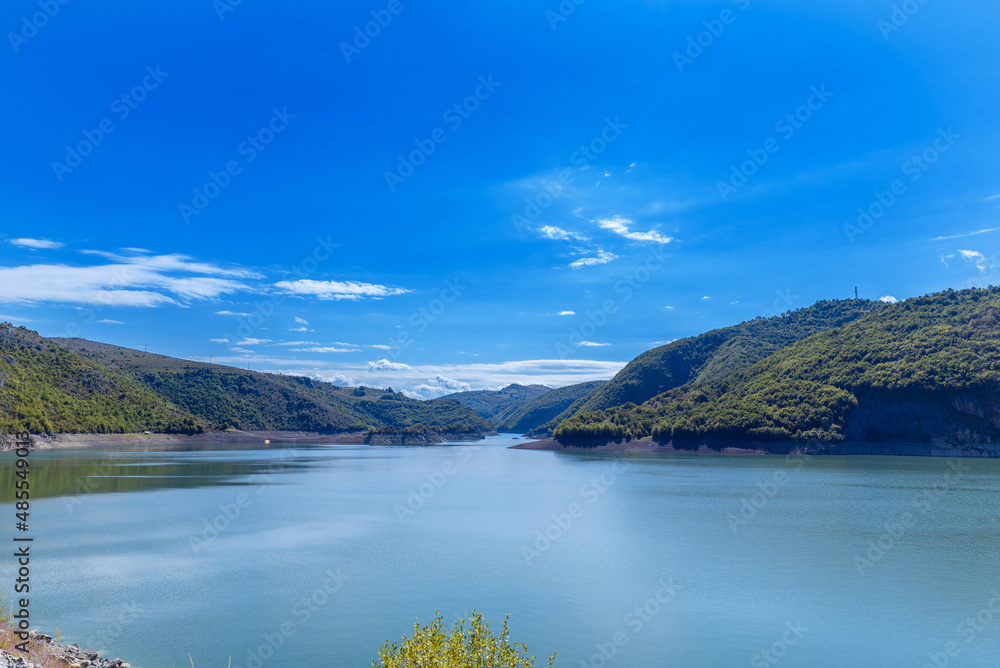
254 401
713 355
78 386
923 370
45 388
541 409
496 405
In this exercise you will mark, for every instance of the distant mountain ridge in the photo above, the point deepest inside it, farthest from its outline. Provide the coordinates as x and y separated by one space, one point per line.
78 386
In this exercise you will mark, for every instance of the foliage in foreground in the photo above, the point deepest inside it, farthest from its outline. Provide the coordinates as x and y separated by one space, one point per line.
432 646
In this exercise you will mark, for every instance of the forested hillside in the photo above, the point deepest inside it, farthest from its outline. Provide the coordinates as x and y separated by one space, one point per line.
926 369
714 354
45 388
541 409
78 386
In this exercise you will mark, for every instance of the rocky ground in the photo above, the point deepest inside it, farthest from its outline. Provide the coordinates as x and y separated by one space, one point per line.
45 653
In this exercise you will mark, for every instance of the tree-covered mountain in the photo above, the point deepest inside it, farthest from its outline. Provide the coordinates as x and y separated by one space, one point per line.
45 388
536 412
713 355
923 370
78 386
496 405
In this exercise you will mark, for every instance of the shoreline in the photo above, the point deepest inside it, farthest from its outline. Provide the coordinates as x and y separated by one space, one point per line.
56 441
846 448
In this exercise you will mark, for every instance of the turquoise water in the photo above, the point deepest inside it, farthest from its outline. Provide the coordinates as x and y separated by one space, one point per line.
318 557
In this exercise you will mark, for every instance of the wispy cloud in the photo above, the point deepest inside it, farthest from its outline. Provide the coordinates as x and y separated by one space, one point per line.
252 342
566 313
552 232
235 313
592 344
36 244
109 322
298 343
384 364
301 321
620 226
380 346
219 340
324 349
338 290
983 263
602 257
968 234
137 280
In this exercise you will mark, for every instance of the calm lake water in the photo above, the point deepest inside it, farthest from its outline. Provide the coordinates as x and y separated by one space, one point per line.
320 553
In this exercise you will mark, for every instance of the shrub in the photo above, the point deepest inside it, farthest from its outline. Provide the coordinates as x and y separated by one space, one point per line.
433 647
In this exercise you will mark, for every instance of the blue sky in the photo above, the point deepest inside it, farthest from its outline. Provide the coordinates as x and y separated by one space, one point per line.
528 191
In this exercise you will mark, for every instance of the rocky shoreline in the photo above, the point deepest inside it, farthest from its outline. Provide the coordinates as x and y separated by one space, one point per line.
648 445
44 649
49 441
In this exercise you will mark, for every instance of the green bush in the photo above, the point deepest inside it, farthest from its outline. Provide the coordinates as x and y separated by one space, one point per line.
433 647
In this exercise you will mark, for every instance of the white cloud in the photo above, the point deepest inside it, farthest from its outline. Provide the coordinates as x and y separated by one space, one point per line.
301 321
968 234
298 329
241 350
888 299
384 365
36 244
338 289
137 281
236 313
110 322
324 349
219 340
592 344
620 226
983 263
380 346
706 297
567 312
298 343
669 308
252 342
552 232
14 318
603 257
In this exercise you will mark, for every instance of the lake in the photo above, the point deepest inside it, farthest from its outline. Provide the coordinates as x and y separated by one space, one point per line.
315 555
